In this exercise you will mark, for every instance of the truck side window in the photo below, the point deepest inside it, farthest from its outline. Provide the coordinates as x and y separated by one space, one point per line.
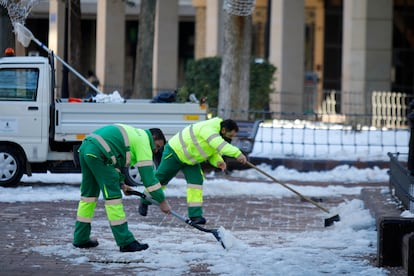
18 84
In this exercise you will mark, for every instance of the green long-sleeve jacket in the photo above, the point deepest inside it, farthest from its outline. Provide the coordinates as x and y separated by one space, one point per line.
202 141
137 150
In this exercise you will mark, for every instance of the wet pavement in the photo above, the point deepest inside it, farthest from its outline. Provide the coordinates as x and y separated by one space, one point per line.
25 225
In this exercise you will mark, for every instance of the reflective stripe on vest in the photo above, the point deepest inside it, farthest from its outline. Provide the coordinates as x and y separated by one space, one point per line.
196 144
126 142
154 187
107 148
145 163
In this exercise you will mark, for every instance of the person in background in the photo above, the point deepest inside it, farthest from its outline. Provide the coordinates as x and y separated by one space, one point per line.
196 143
92 78
103 155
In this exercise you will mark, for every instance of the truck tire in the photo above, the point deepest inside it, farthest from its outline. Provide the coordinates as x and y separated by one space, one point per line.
132 177
11 166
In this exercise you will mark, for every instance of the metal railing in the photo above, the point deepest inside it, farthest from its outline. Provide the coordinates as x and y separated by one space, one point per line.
331 135
378 135
378 108
401 182
317 140
382 108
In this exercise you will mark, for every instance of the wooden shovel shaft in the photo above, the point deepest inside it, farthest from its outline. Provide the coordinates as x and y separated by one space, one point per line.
287 187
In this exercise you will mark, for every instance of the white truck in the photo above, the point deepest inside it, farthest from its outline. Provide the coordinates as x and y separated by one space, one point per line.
40 133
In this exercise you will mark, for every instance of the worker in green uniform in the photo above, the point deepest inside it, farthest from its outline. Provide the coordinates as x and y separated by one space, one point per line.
103 155
203 141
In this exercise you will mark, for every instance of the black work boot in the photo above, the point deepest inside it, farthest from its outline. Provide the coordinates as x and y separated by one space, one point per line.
88 244
143 209
198 220
133 247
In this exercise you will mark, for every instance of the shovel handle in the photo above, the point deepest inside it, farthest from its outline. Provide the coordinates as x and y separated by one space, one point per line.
175 214
287 187
188 221
144 196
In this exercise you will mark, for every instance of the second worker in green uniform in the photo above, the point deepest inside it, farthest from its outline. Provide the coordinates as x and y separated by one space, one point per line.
103 155
196 143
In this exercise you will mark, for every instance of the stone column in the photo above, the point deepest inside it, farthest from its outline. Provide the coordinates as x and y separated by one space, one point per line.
259 18
200 28
367 52
57 37
214 23
165 72
208 30
287 54
317 10
110 45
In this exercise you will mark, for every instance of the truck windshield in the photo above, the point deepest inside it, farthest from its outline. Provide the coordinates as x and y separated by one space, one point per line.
18 84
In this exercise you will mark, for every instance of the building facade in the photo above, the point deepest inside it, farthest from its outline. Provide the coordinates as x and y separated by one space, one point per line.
352 46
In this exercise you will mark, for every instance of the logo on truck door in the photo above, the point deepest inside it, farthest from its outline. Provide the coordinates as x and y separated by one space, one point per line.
8 126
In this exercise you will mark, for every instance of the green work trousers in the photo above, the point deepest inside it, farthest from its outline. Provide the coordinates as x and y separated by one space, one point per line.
100 175
169 167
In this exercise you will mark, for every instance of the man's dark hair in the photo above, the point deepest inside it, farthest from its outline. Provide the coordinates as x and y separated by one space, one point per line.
157 134
229 125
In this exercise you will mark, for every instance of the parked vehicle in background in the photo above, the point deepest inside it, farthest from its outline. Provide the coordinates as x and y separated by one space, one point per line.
40 133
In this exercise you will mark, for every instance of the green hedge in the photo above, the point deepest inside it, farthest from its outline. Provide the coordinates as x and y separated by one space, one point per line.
202 77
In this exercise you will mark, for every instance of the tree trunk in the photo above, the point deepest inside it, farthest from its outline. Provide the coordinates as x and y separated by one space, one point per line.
145 51
76 86
235 69
6 35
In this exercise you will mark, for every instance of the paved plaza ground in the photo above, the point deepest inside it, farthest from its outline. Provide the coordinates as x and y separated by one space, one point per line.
25 225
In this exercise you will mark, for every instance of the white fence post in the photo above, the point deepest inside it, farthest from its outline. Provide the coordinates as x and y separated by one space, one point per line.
388 109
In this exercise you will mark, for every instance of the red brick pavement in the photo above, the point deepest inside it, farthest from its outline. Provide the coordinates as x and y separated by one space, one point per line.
25 225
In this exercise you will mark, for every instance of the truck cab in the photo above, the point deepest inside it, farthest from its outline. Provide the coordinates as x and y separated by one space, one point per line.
25 103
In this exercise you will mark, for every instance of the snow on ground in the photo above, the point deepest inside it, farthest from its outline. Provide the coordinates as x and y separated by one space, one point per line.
331 251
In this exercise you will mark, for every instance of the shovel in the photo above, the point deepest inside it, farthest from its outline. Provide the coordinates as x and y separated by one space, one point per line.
328 221
217 233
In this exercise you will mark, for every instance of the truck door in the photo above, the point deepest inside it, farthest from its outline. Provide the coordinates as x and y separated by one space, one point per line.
20 118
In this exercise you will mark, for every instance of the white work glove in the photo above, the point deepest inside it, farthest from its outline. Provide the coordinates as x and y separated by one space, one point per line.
242 158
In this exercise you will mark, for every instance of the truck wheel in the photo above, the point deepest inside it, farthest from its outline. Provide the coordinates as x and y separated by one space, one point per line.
132 177
11 166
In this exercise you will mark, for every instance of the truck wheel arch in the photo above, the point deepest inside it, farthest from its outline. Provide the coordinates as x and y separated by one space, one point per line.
12 164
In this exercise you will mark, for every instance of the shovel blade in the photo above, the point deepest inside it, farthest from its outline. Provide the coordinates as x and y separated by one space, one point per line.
216 234
330 221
